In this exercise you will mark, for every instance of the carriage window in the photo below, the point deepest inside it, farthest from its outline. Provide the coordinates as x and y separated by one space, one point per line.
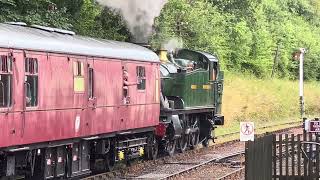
126 97
31 65
5 64
91 83
5 81
31 82
141 76
78 68
78 77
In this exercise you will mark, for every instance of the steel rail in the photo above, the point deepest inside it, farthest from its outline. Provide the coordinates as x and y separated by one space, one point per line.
232 174
203 163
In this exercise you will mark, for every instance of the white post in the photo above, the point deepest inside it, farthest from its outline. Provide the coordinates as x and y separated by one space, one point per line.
302 51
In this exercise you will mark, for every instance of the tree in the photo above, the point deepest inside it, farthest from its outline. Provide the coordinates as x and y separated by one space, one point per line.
85 17
41 12
246 34
197 23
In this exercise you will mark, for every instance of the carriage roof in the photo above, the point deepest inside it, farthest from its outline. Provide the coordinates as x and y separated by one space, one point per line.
45 39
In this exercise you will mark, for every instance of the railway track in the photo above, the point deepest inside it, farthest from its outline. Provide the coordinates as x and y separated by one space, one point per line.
185 168
175 168
234 174
216 160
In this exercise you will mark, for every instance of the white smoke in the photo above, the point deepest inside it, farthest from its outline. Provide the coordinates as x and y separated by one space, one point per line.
173 44
139 15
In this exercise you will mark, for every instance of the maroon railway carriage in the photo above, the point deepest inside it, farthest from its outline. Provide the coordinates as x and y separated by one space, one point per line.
60 93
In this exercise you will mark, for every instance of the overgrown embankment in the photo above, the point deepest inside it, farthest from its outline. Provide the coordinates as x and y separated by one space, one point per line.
265 101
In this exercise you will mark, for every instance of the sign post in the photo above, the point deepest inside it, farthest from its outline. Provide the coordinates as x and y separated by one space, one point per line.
299 55
246 131
312 126
302 51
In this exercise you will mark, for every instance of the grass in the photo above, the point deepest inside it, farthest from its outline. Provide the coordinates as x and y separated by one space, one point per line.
265 101
259 131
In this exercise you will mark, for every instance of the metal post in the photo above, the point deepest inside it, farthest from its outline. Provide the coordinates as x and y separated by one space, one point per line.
302 51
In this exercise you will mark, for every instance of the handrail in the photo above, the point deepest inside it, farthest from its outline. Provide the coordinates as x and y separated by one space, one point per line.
305 153
28 93
2 89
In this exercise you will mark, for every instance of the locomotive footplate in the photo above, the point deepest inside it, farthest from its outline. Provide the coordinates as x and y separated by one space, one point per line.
187 111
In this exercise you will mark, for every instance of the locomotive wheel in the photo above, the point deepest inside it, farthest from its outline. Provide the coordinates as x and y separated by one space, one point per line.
194 136
183 143
171 147
194 139
152 149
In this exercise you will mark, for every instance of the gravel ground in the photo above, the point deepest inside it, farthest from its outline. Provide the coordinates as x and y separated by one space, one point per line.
209 171
215 171
168 165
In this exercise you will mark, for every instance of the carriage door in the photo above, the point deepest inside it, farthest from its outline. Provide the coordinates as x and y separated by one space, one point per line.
91 96
80 100
10 123
126 98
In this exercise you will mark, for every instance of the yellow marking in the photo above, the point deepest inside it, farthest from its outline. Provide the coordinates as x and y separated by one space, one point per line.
141 151
121 155
193 86
206 87
163 56
78 84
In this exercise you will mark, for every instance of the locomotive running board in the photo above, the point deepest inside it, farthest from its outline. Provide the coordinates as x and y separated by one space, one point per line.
187 111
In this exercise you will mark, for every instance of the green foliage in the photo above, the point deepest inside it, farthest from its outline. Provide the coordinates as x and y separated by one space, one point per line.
41 12
246 33
85 17
190 22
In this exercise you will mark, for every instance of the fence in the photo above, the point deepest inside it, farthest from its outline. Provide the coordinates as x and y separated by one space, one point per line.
283 156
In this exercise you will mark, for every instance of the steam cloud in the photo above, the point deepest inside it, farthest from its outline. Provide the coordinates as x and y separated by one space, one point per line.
139 15
173 44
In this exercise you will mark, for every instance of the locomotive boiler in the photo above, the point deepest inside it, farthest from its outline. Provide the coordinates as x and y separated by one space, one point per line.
73 105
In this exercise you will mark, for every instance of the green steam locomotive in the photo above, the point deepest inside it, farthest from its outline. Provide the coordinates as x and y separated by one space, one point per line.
191 99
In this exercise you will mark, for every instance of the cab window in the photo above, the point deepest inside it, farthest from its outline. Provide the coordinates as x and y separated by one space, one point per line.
31 82
5 81
196 60
215 71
